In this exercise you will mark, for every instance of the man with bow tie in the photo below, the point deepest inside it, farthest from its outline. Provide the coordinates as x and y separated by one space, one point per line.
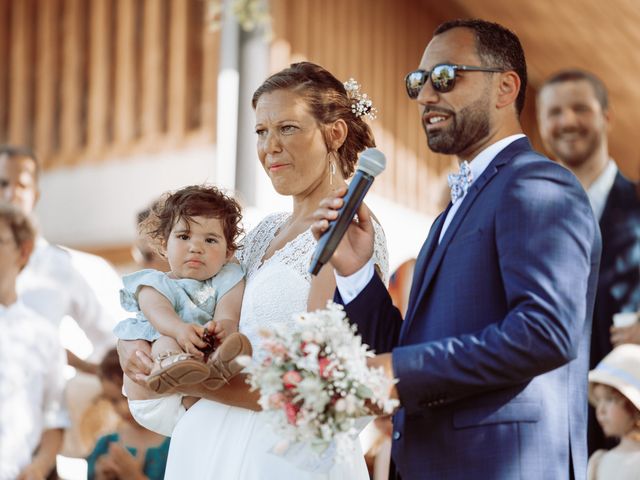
492 357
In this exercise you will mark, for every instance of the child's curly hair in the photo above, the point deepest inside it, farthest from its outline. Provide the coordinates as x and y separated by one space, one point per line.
186 203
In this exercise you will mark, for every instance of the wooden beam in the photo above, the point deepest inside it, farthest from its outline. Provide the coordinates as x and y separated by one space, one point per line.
177 98
124 114
71 114
18 94
98 88
152 70
210 64
46 70
5 55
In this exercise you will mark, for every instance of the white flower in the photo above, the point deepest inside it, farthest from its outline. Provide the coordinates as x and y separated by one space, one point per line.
332 383
312 391
361 104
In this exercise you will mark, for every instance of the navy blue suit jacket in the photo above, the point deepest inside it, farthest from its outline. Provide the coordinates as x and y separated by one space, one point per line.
619 279
492 357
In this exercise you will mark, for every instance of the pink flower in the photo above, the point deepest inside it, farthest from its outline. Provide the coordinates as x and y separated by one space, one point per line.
276 400
291 378
323 365
292 412
276 349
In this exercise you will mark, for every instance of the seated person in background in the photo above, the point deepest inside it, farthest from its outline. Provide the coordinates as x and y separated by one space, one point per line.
614 391
182 310
32 412
142 251
57 281
132 451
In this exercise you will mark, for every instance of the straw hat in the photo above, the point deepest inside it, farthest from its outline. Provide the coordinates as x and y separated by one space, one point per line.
620 370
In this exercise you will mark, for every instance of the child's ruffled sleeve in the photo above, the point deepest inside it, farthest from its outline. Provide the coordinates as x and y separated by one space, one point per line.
151 278
228 277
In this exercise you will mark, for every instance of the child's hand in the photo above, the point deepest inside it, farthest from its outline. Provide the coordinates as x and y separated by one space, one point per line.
216 329
630 334
126 465
105 468
189 337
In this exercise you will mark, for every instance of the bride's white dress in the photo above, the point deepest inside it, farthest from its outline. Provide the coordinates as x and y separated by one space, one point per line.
215 441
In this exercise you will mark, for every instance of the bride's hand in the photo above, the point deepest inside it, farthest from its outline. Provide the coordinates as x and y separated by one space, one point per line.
135 359
356 247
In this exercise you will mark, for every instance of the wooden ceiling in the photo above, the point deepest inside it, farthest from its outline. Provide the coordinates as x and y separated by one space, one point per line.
602 37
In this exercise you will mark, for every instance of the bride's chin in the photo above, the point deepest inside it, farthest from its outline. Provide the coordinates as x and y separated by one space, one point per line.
282 187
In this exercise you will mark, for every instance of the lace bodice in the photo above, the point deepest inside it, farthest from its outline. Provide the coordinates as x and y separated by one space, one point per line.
278 288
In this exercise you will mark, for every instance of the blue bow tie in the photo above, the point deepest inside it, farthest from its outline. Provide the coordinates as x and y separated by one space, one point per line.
459 182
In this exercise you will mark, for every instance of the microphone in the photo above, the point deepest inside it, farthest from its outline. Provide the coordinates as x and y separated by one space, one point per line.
371 164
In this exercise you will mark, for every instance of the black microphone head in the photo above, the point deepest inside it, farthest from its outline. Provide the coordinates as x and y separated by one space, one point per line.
372 161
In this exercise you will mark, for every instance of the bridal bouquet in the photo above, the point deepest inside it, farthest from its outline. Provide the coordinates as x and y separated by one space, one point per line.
315 384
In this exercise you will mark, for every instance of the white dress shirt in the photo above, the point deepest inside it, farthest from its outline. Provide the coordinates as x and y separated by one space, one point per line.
55 284
31 385
349 287
598 191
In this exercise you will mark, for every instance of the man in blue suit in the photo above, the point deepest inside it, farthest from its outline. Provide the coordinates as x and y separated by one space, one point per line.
573 118
492 357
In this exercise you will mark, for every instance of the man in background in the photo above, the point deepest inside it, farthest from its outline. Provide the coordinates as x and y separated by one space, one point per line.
573 118
60 283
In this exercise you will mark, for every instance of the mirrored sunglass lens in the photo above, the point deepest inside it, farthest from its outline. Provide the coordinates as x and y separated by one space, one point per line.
443 78
415 81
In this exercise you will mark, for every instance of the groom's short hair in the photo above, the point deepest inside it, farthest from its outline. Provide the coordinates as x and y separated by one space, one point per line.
497 46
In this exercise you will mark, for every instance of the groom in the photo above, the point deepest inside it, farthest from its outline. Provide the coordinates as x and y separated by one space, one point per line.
492 357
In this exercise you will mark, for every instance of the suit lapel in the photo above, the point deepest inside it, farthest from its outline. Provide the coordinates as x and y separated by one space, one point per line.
421 284
423 258
615 201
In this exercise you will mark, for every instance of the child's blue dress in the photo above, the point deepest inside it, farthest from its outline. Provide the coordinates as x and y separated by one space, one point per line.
193 300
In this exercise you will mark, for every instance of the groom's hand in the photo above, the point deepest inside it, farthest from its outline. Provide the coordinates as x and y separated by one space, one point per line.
356 247
385 361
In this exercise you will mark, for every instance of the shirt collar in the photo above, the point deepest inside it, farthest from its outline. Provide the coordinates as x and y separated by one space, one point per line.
599 190
481 161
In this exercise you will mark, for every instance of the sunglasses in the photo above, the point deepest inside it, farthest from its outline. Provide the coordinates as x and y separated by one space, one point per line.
443 77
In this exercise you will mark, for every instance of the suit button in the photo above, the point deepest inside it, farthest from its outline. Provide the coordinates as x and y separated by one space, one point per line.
396 435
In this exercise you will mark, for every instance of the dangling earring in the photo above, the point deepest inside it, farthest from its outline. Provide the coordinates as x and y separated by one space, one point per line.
332 169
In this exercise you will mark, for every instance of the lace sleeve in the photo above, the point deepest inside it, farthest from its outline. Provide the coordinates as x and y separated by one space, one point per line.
381 253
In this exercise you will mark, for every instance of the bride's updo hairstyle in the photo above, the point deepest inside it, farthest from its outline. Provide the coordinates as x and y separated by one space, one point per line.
327 100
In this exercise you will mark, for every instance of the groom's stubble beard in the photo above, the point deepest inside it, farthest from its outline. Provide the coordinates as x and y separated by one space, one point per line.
468 127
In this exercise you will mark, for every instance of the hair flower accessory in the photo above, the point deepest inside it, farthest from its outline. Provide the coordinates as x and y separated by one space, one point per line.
361 103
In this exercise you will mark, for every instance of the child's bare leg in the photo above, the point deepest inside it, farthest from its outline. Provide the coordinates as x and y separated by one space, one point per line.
188 402
162 347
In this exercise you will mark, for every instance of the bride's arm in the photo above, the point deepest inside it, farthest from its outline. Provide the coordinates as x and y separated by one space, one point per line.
136 363
236 393
322 288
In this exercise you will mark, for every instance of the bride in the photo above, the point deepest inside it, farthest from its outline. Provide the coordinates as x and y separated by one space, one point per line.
308 139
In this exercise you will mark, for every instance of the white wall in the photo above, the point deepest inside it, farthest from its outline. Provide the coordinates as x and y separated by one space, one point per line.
95 205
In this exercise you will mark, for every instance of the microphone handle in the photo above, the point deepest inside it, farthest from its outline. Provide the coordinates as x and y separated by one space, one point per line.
329 241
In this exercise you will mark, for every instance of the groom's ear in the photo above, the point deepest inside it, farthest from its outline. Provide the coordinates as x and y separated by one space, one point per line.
336 134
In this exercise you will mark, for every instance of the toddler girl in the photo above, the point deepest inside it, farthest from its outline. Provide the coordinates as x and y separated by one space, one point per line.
193 307
614 391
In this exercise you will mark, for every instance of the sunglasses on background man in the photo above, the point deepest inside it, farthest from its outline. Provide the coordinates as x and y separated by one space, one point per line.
442 76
